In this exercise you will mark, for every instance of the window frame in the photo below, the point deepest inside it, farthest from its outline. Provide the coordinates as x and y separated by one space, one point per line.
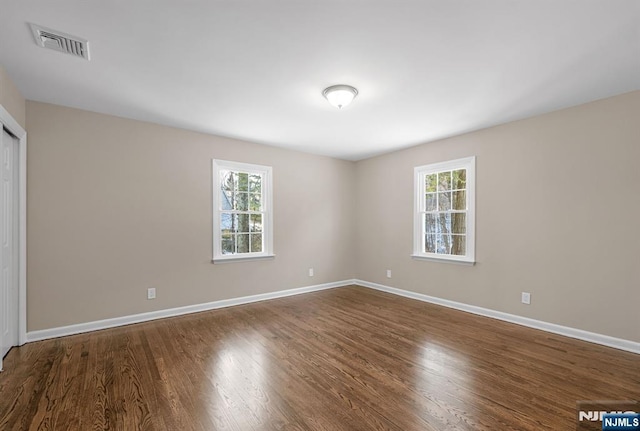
266 172
419 193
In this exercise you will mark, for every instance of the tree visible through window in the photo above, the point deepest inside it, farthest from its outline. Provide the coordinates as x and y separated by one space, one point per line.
444 218
241 213
241 210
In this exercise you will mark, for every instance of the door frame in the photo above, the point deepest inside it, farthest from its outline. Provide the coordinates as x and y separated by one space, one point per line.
16 129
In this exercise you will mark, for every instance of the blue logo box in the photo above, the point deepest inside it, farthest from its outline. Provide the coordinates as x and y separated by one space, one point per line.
621 422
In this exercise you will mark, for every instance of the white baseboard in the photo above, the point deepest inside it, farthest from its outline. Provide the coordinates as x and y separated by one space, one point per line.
171 312
605 340
592 337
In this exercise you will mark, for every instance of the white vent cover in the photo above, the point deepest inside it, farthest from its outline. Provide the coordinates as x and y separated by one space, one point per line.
59 41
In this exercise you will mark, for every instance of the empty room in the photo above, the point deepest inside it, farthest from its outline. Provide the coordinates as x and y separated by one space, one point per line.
337 215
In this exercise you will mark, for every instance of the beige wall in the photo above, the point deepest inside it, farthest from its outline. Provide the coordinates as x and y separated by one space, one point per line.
116 206
11 99
558 212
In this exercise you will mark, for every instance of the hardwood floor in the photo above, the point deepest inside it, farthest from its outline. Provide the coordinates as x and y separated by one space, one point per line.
342 359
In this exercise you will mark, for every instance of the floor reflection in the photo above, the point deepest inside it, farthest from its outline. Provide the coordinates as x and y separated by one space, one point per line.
237 372
445 382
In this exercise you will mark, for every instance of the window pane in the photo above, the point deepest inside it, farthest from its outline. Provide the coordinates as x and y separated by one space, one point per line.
228 244
431 182
256 222
459 178
255 183
430 225
430 202
242 201
430 243
226 223
459 245
444 201
243 182
460 200
243 223
255 202
443 237
243 242
443 223
443 243
226 200
256 243
444 181
227 180
458 223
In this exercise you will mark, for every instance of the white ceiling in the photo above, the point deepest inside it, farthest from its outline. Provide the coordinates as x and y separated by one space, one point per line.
255 69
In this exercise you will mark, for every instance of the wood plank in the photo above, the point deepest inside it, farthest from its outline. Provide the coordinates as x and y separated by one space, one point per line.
341 359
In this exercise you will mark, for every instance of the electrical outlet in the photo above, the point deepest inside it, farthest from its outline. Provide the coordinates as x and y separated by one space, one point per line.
151 293
526 298
310 272
388 273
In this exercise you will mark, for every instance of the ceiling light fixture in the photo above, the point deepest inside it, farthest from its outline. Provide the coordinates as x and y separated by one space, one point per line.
340 95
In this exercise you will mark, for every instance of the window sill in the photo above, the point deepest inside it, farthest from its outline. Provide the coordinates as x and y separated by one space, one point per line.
242 258
443 260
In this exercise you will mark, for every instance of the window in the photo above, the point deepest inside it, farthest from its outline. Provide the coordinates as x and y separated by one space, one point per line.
242 211
444 216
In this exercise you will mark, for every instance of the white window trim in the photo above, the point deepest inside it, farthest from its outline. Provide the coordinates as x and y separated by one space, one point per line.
468 163
267 196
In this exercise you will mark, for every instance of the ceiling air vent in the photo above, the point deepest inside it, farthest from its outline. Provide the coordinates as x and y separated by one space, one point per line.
59 41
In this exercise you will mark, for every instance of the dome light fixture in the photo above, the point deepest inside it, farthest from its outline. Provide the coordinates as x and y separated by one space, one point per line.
340 95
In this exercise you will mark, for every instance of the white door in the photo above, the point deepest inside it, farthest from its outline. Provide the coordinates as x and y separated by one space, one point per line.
8 244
